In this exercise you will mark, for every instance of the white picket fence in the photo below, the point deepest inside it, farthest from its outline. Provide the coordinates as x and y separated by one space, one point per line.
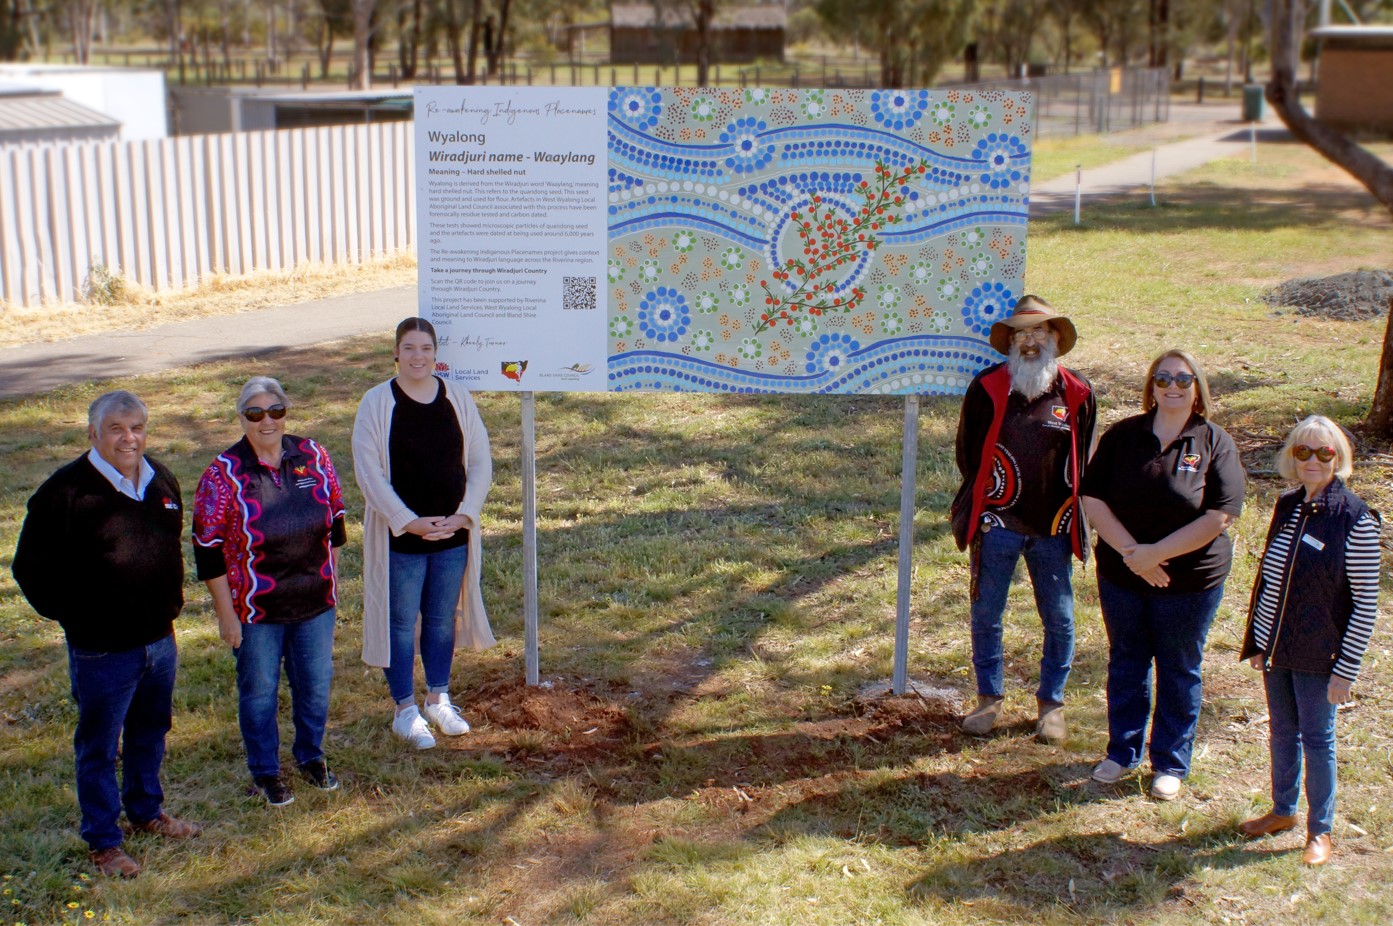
169 213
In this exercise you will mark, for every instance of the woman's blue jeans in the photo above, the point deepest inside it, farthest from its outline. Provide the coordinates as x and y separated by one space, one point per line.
1302 721
1049 560
1168 631
307 649
425 584
123 703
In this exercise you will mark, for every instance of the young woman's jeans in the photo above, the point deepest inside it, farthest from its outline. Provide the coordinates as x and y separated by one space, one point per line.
1302 722
1051 569
427 584
1169 631
123 705
307 649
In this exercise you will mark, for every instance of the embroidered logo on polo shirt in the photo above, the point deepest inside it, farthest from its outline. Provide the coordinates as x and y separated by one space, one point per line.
170 503
1059 418
1189 463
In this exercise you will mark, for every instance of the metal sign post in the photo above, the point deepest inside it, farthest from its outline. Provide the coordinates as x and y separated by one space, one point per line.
909 464
529 536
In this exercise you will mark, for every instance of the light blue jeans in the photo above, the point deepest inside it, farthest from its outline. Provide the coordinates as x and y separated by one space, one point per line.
1049 560
427 584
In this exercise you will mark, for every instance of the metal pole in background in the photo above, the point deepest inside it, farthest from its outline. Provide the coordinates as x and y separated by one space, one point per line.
909 465
529 536
1078 190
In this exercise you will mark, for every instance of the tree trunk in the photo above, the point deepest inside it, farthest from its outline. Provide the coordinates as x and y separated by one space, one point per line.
703 11
1332 144
1379 423
362 35
471 68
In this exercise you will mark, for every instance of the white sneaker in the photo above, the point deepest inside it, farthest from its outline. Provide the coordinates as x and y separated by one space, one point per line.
446 717
411 726
1165 787
1108 772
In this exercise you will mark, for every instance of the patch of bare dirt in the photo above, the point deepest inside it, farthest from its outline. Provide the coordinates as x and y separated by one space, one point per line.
564 722
1355 296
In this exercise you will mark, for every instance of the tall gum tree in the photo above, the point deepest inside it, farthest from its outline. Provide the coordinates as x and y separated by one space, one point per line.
1287 27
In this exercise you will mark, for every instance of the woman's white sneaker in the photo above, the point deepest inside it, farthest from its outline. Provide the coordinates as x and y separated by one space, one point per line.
412 727
446 717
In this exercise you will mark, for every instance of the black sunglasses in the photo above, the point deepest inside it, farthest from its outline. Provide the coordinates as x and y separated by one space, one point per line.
1304 453
256 412
1164 379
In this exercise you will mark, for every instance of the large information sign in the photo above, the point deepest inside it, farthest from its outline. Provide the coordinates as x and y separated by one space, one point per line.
720 240
510 194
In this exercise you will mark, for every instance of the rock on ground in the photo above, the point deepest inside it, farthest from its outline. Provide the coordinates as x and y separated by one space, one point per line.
1345 297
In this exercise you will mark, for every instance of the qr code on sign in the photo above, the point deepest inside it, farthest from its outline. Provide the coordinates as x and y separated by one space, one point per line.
577 294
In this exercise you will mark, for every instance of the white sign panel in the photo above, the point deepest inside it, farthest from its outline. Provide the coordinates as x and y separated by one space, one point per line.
510 188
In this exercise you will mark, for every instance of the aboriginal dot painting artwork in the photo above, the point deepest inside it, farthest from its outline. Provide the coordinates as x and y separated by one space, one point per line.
812 241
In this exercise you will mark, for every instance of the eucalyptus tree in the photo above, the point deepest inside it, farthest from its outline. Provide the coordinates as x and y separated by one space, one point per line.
930 32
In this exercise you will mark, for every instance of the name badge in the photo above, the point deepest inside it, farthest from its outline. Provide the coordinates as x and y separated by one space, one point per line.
1312 542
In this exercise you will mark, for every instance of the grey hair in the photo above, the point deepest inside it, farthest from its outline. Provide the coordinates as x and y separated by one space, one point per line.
257 385
119 402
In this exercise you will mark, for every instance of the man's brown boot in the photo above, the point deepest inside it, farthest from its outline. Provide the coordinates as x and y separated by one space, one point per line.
115 863
1269 824
984 716
1049 728
1318 850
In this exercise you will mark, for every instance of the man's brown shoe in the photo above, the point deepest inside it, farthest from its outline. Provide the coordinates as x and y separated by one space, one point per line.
1318 850
1269 824
983 717
169 827
115 863
1049 728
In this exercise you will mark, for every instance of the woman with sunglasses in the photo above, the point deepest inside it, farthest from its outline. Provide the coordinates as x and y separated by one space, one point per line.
421 457
1309 622
1161 490
268 521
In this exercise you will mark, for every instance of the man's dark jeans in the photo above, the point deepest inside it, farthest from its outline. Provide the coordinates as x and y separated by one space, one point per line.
123 701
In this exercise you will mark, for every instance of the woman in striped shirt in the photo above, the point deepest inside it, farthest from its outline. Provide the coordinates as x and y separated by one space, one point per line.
1309 622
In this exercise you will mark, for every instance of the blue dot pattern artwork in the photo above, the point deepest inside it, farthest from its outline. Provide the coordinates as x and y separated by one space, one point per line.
812 241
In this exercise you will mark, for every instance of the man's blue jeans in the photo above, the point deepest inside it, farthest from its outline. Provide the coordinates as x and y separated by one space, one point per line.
1051 568
1302 721
123 699
427 584
1170 631
307 648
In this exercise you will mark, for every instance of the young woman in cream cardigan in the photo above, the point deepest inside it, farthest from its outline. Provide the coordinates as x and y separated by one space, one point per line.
421 458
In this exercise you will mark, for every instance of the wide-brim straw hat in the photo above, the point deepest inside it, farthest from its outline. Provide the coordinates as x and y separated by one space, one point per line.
1029 312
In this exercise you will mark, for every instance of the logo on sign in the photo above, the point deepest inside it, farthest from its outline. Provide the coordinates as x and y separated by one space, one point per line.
442 367
513 369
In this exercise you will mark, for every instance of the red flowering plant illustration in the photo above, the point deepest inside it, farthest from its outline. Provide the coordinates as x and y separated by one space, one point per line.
833 237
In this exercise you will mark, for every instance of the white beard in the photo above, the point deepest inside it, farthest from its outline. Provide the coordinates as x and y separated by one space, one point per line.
1032 376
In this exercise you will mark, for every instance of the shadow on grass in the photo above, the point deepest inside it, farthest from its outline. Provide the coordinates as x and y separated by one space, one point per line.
1091 874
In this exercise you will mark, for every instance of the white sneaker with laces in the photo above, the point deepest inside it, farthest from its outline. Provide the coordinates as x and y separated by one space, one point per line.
446 717
1165 787
412 727
1109 772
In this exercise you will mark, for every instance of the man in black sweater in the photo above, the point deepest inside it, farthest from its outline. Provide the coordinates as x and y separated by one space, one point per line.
100 554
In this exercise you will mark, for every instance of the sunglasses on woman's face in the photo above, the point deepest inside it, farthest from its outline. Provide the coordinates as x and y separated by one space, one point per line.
256 412
1164 379
1304 453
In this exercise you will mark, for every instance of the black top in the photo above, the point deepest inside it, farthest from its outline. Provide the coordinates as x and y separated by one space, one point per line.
1030 478
1155 491
109 568
426 454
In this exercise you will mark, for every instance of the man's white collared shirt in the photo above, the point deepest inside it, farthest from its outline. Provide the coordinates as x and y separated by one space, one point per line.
119 481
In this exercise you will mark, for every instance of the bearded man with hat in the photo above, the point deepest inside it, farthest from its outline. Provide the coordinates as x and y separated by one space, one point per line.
1024 437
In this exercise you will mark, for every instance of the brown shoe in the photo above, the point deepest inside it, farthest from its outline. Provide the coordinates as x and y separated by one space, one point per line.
169 827
1269 824
1050 728
1318 850
115 863
983 717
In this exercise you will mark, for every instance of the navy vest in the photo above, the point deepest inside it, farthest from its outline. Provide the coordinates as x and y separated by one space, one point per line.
1314 603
